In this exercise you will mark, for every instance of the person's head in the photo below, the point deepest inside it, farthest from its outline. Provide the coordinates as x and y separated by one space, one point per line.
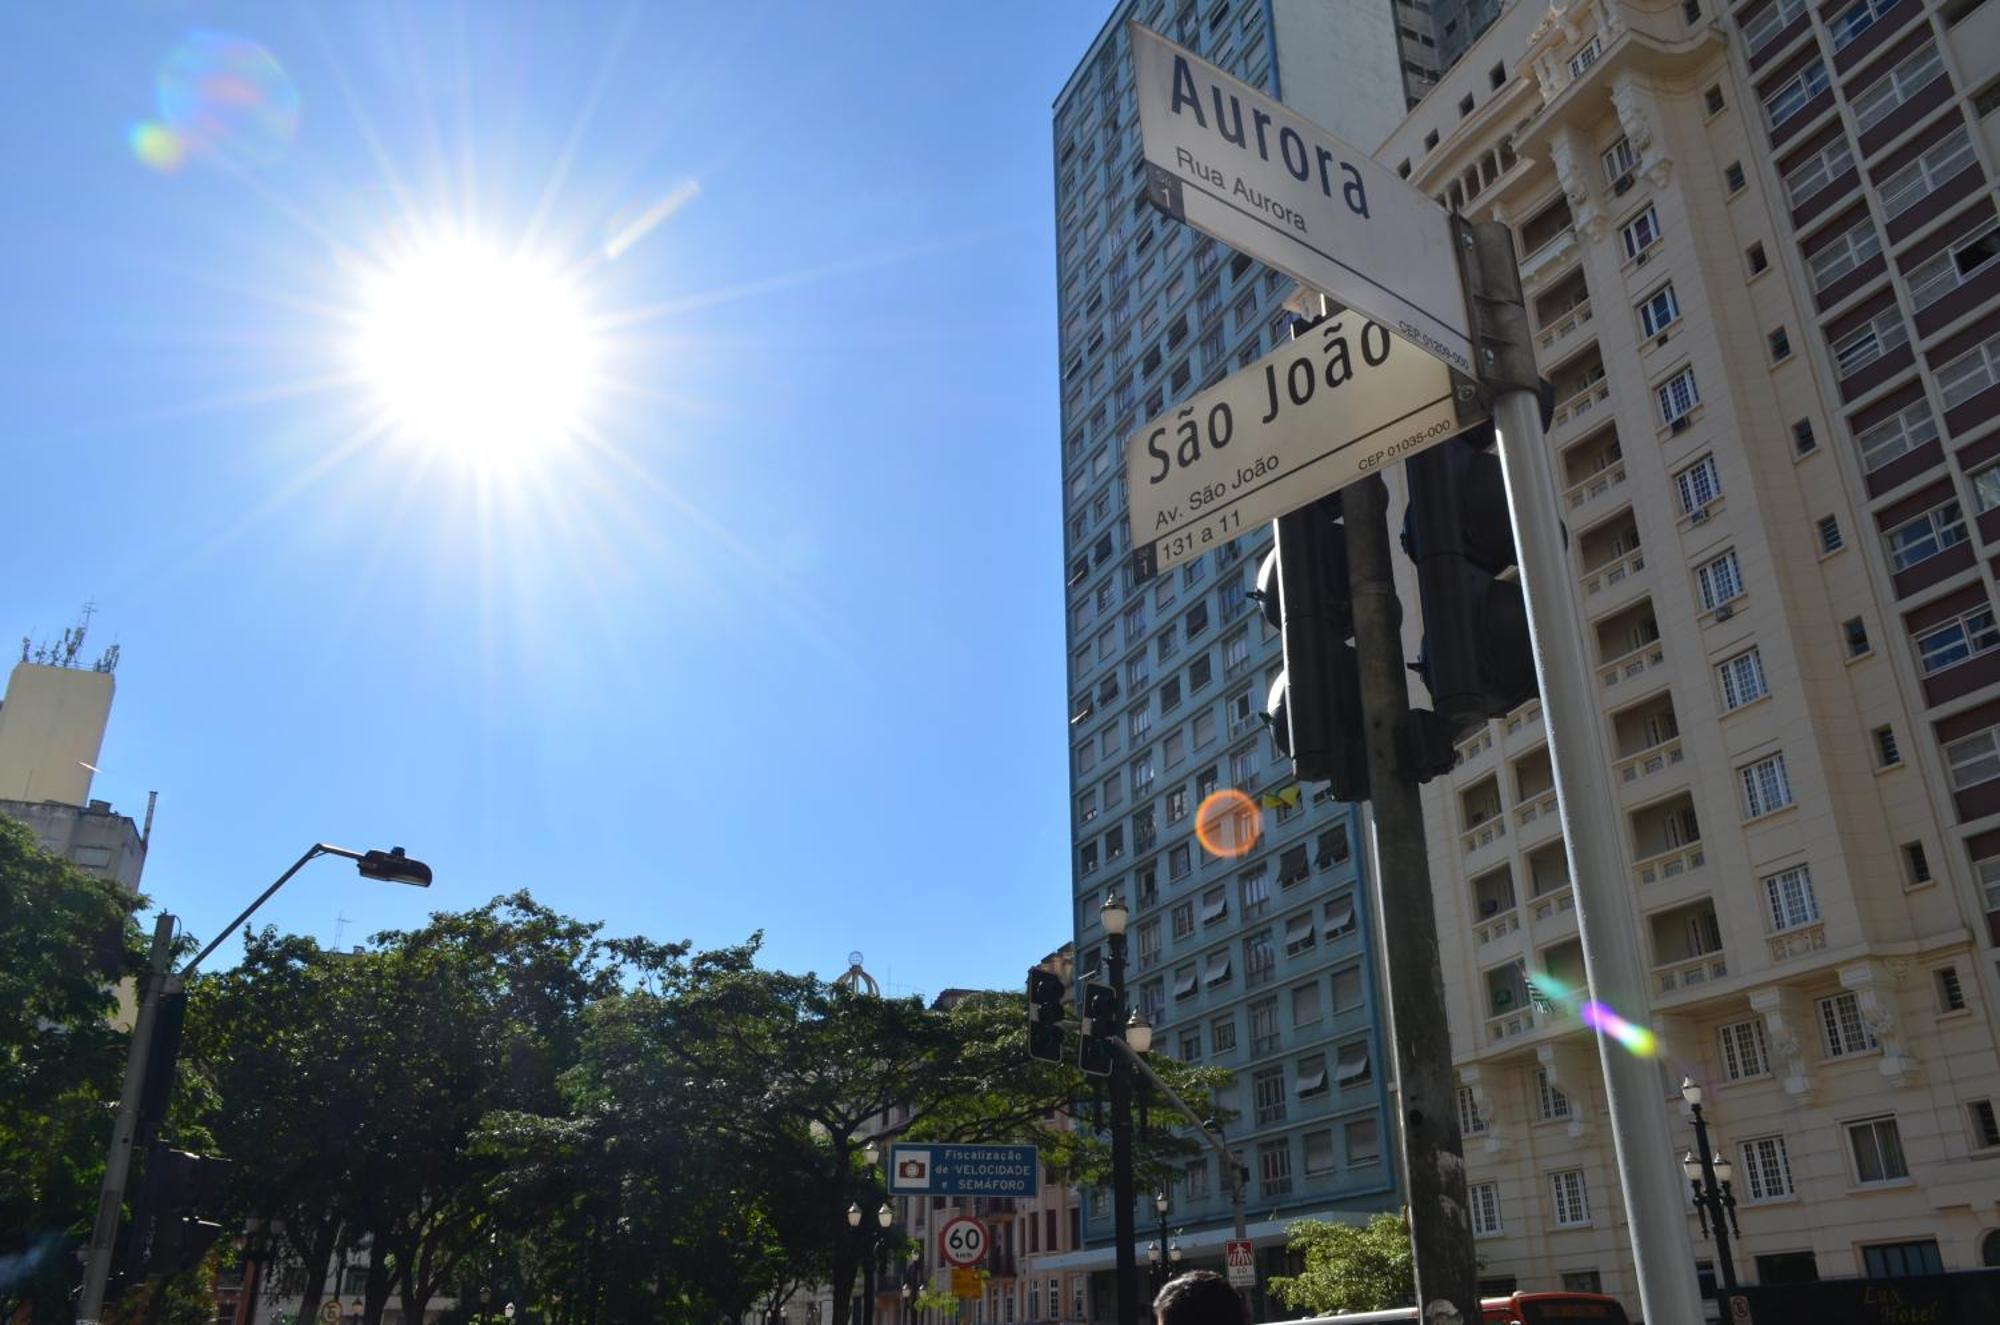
1199 1297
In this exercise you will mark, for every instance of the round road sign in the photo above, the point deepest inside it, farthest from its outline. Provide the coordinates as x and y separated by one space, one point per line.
962 1241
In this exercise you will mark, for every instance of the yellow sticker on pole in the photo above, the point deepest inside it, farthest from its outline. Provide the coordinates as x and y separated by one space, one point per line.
965 1283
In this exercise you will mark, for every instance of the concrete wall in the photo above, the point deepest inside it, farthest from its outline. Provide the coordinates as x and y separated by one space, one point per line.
51 726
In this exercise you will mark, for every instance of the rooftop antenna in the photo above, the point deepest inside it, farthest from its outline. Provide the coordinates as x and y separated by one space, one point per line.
339 928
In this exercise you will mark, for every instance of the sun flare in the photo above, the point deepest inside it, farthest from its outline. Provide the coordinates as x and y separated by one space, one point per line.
478 354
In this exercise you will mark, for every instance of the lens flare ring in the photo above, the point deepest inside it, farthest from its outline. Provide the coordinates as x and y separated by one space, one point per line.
1228 823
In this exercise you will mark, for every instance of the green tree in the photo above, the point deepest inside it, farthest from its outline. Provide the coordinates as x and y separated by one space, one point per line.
66 942
1348 1267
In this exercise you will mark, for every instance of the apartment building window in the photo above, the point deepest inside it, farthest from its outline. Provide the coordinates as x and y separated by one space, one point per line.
1893 1260
1971 760
1951 993
1353 1065
1187 980
1897 435
1580 63
1951 643
1720 581
1182 919
1918 540
1855 20
1256 885
1744 1053
1817 171
1856 245
1641 232
1767 1168
1885 95
1149 942
1886 753
1194 1181
1319 1151
1768 22
1260 959
1939 162
1842 1032
1742 679
1235 652
1829 535
1916 865
1970 373
1570 1198
1788 899
1554 1104
1946 272
1620 160
1243 766
1766 786
1485 1199
1856 632
1347 988
1299 936
1087 859
1268 1094
1305 1004
1877 1147
1364 1142
1333 848
1264 1027
1659 310
1791 98
1985 1126
1340 916
1780 342
1274 1167
1678 396
1868 342
1698 485
1733 177
1178 861
1753 257
1191 1042
1222 1034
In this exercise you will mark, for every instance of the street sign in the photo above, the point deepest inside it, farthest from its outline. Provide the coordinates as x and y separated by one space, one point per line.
941 1170
1335 405
1242 1259
965 1283
962 1241
1238 165
329 1312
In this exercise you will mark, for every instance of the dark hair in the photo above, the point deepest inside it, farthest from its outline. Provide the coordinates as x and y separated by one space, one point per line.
1199 1297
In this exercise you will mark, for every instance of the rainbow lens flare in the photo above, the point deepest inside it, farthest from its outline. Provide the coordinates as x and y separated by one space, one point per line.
1228 823
1639 1041
220 98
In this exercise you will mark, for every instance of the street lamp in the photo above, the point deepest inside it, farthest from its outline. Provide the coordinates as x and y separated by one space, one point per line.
1708 1173
1161 1253
1138 1034
131 1132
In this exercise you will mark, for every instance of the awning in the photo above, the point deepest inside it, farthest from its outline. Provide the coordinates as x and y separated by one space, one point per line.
1215 909
1339 916
1218 968
1298 927
1351 1068
1313 1080
1185 983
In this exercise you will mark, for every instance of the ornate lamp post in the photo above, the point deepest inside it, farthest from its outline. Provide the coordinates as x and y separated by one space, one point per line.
1139 1035
1708 1174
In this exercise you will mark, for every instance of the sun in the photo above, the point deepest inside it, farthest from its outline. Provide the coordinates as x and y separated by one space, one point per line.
481 355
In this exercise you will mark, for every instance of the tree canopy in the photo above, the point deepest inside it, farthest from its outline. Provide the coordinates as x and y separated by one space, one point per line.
1348 1267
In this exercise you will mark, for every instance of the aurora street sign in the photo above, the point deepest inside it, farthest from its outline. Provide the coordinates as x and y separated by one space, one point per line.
1334 405
950 1170
1239 166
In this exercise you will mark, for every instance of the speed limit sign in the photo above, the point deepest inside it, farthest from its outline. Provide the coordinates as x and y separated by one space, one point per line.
962 1241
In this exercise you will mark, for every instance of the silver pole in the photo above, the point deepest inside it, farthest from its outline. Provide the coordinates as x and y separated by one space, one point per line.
118 1160
1607 922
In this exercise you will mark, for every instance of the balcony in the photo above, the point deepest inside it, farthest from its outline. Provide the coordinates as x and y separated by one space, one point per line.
1581 394
1800 942
1687 947
1497 928
1592 468
1560 902
1629 644
1479 810
1611 554
1548 874
1561 314
1667 837
1647 738
1493 903
1555 255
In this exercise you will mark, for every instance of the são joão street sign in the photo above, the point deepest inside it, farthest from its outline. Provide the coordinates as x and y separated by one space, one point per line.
941 1170
1240 166
1332 406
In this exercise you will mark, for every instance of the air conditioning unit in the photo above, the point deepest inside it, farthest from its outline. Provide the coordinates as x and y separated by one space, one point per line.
1724 612
1622 183
1640 259
1698 516
1662 340
1678 425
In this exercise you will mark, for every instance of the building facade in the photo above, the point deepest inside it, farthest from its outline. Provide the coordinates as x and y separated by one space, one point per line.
52 724
1759 248
1260 961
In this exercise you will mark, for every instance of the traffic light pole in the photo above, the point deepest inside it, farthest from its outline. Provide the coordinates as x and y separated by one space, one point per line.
1447 1271
118 1160
1600 874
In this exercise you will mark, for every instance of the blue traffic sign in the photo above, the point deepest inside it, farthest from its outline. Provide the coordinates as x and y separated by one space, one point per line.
949 1170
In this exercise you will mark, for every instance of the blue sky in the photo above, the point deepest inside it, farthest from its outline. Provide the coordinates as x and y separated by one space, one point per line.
780 649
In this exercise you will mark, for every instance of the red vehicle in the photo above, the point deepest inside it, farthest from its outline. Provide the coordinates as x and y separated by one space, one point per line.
1517 1309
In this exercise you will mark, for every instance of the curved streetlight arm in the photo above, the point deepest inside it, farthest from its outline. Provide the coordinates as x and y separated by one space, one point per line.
390 866
1213 1141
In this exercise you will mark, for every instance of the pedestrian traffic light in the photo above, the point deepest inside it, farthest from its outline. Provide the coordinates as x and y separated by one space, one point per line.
1100 1027
1476 659
173 1218
1047 999
1314 708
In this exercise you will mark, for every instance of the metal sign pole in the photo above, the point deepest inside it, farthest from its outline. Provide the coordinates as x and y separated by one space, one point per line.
1607 923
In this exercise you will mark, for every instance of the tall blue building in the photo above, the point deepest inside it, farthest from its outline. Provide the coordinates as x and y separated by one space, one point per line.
1261 962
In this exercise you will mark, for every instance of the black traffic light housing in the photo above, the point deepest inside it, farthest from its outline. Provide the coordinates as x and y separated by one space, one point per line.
1314 708
173 1223
1048 996
1477 660
1100 1028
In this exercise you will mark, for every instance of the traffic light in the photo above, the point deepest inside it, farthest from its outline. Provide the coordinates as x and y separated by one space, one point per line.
1047 995
1476 659
1100 1028
1314 708
172 1224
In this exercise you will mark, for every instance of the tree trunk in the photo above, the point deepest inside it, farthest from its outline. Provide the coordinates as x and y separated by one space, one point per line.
377 1296
317 1250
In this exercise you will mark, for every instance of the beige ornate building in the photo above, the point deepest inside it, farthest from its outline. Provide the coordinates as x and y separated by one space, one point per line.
1761 257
